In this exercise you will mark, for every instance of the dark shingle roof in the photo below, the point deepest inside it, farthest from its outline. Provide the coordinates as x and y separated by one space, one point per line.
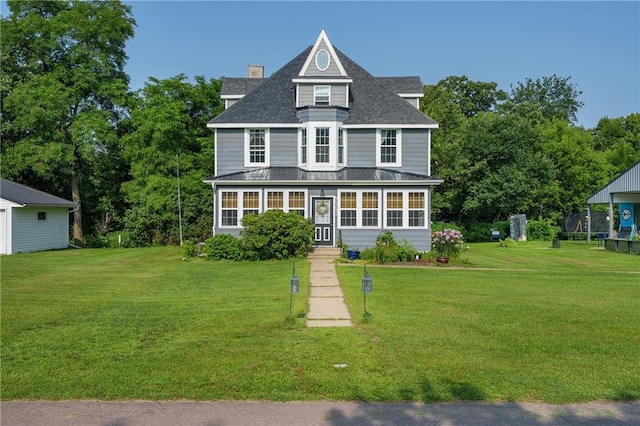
402 84
373 100
343 176
239 86
22 194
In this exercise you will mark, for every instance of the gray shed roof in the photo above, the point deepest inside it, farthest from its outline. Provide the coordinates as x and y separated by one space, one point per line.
27 196
347 175
627 182
373 100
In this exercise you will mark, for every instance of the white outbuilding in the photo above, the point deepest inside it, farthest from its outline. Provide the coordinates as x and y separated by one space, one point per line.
32 220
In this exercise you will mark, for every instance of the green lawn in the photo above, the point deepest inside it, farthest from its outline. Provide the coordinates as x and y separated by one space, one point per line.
556 325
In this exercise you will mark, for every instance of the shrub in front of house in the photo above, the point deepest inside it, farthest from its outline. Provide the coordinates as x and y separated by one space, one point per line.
275 234
388 250
224 246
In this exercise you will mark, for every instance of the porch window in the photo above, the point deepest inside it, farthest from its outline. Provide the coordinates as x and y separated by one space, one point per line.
416 209
297 202
370 209
229 213
250 203
322 145
275 200
394 209
348 209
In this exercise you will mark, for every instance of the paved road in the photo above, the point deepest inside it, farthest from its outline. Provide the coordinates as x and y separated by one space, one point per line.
256 413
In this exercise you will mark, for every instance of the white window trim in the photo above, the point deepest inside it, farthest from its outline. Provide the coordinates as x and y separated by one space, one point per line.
286 207
398 162
300 159
267 146
405 208
311 164
240 207
359 208
318 88
344 147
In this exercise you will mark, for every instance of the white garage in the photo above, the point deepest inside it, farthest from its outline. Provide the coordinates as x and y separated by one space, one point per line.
32 220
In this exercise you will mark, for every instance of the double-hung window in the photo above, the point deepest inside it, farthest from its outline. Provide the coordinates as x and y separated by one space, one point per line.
359 209
250 203
256 147
297 202
348 209
322 144
416 209
340 146
389 144
370 209
303 146
234 205
394 209
321 95
406 209
229 208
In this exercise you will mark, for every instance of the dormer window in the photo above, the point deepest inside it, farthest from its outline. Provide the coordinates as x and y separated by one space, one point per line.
321 95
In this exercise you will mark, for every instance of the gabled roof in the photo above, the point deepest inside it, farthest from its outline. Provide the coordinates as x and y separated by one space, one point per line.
27 196
293 175
323 43
627 182
373 101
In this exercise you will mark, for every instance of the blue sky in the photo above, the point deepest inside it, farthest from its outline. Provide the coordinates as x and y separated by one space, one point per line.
597 44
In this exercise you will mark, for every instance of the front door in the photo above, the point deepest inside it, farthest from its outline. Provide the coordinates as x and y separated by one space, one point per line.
323 220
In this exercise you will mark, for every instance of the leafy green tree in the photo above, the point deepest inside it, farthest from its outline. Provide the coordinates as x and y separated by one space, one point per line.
556 97
451 102
504 168
63 91
579 170
619 140
169 133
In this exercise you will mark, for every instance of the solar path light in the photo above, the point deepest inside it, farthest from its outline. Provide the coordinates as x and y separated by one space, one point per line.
367 287
295 289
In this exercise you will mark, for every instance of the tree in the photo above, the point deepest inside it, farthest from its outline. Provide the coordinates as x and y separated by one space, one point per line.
452 102
64 89
169 127
579 170
555 96
619 140
504 170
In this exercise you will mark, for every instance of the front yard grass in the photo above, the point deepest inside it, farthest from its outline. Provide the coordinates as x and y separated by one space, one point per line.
143 324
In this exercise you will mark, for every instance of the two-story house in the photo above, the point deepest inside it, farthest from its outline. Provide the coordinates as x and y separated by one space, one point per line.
324 138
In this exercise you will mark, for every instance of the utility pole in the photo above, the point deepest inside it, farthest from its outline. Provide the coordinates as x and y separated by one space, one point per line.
179 202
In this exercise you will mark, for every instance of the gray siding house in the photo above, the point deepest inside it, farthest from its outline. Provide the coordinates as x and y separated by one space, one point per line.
324 138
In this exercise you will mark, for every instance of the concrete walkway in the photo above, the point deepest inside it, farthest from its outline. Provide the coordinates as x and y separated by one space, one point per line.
326 301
